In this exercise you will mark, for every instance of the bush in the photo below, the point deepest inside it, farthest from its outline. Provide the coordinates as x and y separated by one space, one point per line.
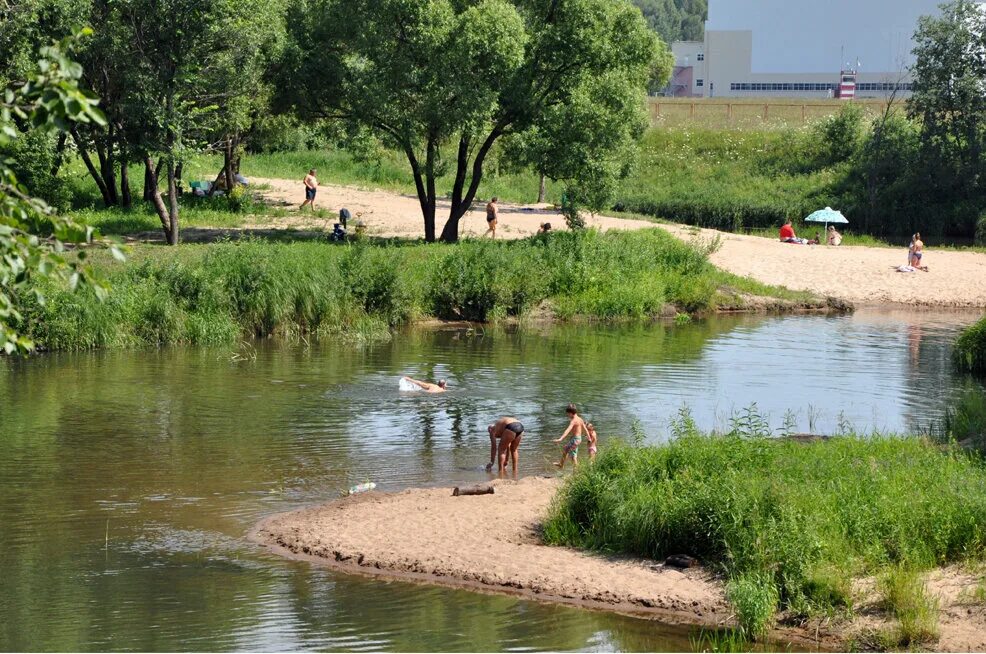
970 348
787 523
906 598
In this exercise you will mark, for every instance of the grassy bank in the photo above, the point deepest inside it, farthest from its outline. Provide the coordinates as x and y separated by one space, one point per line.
970 348
790 525
220 292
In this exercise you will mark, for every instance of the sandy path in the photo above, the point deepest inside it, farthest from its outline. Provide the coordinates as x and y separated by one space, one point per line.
861 275
428 535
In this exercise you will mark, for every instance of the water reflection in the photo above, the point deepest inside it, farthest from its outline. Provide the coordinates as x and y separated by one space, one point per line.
129 479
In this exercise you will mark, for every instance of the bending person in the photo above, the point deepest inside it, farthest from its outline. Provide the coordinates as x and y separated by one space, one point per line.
428 387
509 431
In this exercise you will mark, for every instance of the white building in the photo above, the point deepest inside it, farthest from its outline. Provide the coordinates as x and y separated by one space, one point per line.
798 48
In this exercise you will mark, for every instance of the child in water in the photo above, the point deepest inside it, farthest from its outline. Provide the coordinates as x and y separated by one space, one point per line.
576 426
593 438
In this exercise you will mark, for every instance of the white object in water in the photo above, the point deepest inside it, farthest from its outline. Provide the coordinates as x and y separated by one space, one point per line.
362 488
405 385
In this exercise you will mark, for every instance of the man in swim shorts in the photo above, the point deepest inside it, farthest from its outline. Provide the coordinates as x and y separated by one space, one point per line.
311 188
427 387
509 431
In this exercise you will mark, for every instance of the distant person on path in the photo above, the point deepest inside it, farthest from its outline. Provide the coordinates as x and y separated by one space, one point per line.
311 188
576 426
440 387
593 441
788 236
509 431
491 217
834 238
545 228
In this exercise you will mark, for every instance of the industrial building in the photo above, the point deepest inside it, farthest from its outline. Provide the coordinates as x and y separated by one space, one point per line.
801 49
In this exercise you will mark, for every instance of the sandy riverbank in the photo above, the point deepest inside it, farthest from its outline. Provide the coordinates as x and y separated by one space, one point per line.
861 275
490 543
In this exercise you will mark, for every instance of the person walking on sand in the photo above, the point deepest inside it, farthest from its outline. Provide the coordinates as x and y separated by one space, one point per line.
593 439
576 426
311 188
509 431
491 217
428 387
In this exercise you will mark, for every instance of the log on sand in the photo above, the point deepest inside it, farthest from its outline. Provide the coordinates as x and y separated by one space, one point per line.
478 489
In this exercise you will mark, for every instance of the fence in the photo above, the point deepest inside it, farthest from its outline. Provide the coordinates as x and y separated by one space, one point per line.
726 113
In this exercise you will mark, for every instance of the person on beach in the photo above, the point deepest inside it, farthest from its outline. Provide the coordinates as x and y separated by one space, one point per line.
576 427
917 252
311 188
545 228
593 439
788 236
491 217
428 387
834 238
509 431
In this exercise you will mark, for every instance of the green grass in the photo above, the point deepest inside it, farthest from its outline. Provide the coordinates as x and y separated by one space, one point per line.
905 597
221 292
970 348
788 524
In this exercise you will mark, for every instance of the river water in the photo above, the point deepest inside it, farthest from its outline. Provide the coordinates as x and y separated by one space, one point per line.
129 479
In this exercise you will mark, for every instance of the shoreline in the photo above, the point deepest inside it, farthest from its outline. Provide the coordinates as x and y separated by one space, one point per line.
426 536
491 544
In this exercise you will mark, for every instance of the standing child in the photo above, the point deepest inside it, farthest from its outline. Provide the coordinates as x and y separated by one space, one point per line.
593 441
576 426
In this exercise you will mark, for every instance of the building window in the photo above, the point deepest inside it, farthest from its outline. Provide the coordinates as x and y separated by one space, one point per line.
700 83
700 56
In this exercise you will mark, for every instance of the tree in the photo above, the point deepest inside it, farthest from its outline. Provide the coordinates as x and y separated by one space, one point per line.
949 102
431 75
32 236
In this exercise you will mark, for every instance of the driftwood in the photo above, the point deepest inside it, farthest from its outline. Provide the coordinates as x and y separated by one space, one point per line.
681 561
478 489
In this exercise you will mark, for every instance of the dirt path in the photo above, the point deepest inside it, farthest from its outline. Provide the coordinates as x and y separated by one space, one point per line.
428 535
862 275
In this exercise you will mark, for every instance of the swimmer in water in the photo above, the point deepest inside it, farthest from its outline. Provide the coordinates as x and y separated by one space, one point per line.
427 387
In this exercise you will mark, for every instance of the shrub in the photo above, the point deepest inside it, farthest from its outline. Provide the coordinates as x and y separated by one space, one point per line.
755 599
970 348
906 598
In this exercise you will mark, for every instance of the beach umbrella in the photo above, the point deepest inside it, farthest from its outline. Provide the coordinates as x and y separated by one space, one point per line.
827 215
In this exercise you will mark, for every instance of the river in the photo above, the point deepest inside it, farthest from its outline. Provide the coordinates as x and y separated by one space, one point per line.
129 479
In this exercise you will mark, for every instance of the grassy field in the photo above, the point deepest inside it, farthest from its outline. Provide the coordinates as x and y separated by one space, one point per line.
748 113
789 524
224 291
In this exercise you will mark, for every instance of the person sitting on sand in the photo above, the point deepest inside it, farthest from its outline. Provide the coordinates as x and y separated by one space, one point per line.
917 252
576 426
311 188
440 387
593 439
788 236
509 431
834 238
491 216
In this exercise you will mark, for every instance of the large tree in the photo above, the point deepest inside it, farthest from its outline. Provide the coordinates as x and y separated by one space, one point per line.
949 103
453 76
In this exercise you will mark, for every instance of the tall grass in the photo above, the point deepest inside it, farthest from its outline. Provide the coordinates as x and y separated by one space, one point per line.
788 524
970 348
220 292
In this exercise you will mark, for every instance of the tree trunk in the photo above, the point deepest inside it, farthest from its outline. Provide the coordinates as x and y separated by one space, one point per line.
126 199
87 160
104 150
172 203
541 190
162 211
450 233
148 176
59 154
228 164
429 210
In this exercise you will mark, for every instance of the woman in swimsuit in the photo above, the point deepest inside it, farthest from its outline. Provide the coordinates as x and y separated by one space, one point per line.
491 217
509 430
576 426
917 251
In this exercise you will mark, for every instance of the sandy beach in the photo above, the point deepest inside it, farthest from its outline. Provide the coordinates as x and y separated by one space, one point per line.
491 543
861 275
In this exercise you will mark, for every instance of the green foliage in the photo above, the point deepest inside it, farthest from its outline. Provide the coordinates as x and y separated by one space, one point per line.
50 99
970 348
789 524
675 20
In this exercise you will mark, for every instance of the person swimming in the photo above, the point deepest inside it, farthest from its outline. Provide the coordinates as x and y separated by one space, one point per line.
428 387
